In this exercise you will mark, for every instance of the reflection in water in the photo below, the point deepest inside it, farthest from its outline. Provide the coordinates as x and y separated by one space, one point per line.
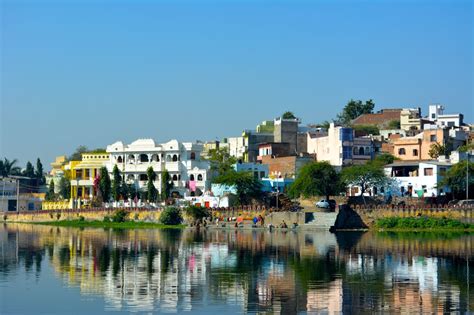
253 271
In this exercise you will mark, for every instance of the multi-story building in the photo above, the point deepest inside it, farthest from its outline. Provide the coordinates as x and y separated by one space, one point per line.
83 175
183 160
339 147
437 116
418 179
410 119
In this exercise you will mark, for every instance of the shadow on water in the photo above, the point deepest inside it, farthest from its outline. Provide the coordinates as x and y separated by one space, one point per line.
246 271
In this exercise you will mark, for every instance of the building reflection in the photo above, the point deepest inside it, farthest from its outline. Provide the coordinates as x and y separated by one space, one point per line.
260 272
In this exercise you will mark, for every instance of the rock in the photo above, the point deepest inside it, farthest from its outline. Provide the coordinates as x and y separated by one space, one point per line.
347 219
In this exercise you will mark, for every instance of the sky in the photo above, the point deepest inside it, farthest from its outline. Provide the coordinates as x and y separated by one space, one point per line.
95 72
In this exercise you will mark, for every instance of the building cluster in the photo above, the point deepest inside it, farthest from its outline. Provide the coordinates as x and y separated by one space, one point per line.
274 152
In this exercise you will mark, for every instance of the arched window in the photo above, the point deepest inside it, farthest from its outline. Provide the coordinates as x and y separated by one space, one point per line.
193 156
415 152
175 177
361 151
191 177
155 158
175 158
143 177
199 177
401 151
355 151
131 158
168 158
119 159
130 177
143 158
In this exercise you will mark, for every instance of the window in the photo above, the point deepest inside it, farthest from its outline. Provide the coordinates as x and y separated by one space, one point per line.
88 173
191 177
415 152
175 158
175 177
442 171
79 174
193 156
361 151
428 171
143 177
450 123
262 174
155 158
255 175
401 151
355 150
424 188
433 116
143 158
199 177
119 159
367 150
432 138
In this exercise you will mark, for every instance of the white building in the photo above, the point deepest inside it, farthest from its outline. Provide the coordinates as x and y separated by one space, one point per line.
437 116
189 173
339 147
418 178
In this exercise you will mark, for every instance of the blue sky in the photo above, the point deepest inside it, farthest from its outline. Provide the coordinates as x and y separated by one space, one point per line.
94 72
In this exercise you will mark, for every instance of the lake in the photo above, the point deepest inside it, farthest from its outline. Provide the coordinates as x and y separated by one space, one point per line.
55 270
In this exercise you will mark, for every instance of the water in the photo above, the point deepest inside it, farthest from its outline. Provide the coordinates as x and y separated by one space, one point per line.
49 270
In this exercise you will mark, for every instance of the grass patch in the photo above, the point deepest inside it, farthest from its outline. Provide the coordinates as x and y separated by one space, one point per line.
421 223
111 225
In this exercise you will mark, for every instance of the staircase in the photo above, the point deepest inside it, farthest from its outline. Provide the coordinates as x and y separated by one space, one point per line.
320 220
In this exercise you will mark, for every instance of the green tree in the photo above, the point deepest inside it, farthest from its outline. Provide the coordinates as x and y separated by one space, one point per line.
394 124
456 178
39 172
221 161
29 171
354 109
50 194
197 213
64 188
384 159
436 150
77 155
246 184
152 192
316 179
364 176
365 130
9 167
104 184
166 185
116 183
288 115
171 216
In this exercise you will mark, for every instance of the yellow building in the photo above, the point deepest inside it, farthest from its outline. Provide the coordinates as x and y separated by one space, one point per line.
83 174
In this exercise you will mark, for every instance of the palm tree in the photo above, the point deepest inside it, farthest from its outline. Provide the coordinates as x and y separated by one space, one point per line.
8 167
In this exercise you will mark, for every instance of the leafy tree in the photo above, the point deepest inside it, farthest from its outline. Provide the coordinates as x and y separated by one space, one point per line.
166 185
77 155
221 161
98 150
9 167
116 184
171 216
64 188
394 124
104 184
29 171
50 194
365 130
197 213
364 176
354 109
456 179
436 150
288 115
152 192
384 159
316 179
39 171
246 184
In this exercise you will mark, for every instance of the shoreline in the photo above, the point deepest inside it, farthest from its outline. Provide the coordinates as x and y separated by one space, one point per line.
106 225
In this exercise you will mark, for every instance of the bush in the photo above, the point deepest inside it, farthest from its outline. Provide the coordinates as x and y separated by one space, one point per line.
120 215
106 219
81 218
420 223
171 216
